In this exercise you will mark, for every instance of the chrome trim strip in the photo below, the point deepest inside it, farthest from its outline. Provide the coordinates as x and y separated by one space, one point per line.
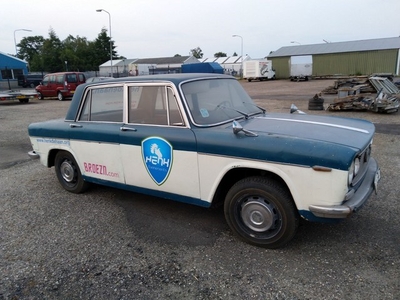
318 123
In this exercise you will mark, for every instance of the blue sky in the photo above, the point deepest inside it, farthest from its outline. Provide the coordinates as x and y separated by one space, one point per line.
158 28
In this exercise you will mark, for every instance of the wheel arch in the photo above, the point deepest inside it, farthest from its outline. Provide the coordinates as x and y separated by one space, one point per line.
236 174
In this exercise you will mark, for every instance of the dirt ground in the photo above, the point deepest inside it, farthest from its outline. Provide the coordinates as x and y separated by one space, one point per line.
278 95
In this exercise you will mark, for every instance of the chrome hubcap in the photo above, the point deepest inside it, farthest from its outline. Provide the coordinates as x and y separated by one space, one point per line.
67 171
258 215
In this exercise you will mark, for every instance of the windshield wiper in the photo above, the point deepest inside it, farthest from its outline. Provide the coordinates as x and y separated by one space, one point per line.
238 111
259 107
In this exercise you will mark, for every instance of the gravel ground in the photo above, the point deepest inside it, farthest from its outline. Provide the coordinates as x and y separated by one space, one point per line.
112 244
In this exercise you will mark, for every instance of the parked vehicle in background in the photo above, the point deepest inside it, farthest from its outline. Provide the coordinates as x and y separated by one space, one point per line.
95 79
22 97
61 85
200 139
29 80
260 69
207 67
300 67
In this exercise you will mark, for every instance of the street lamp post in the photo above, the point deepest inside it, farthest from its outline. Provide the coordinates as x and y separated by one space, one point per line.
15 42
241 64
109 24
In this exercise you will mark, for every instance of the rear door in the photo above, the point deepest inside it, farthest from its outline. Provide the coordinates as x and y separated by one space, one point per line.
95 135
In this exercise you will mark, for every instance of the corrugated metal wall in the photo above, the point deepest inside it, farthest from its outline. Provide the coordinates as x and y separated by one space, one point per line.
355 63
281 67
349 63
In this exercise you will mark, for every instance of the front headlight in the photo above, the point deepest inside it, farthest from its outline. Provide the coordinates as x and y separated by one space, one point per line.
351 174
356 166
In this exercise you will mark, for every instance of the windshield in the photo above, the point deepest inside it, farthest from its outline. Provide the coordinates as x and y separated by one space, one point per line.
215 101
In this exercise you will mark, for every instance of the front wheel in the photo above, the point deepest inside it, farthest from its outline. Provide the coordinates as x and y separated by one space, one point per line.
261 212
68 173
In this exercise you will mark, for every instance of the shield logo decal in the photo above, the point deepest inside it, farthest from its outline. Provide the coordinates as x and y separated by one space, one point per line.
157 158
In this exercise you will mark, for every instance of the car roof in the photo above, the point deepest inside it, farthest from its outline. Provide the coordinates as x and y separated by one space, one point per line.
176 78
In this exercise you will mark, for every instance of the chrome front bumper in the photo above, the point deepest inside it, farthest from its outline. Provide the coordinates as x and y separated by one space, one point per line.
358 199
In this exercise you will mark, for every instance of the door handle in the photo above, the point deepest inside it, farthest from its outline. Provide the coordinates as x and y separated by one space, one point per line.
127 129
75 126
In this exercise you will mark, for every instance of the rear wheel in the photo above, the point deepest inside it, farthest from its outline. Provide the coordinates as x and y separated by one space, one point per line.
60 96
40 95
68 173
261 212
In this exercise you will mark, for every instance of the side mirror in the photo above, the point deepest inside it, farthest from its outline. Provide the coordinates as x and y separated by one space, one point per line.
236 127
294 109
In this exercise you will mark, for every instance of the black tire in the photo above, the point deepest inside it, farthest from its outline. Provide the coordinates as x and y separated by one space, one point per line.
32 85
316 101
60 96
261 212
68 173
40 95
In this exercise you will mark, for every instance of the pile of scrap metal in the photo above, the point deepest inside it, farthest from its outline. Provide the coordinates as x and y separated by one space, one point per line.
362 84
386 100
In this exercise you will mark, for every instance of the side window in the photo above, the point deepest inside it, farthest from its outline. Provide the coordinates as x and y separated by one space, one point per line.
81 78
45 80
152 105
59 79
103 104
52 78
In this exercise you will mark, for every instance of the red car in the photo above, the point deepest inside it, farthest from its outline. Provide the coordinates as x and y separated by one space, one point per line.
61 85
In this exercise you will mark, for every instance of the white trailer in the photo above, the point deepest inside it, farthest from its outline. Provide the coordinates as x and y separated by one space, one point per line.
300 67
258 70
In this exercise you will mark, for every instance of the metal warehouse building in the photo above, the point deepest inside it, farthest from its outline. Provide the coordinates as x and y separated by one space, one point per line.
362 57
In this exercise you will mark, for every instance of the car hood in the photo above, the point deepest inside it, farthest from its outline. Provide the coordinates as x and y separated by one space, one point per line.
354 133
306 140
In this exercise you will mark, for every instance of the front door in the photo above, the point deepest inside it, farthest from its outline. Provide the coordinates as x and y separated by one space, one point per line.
158 149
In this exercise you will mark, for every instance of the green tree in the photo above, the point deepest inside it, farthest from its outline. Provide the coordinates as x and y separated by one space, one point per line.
29 47
51 53
235 54
102 48
220 54
197 52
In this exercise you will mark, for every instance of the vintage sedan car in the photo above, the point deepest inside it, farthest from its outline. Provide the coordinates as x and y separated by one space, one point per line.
200 139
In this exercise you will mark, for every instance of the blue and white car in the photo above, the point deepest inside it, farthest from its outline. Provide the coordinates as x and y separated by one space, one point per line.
200 139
